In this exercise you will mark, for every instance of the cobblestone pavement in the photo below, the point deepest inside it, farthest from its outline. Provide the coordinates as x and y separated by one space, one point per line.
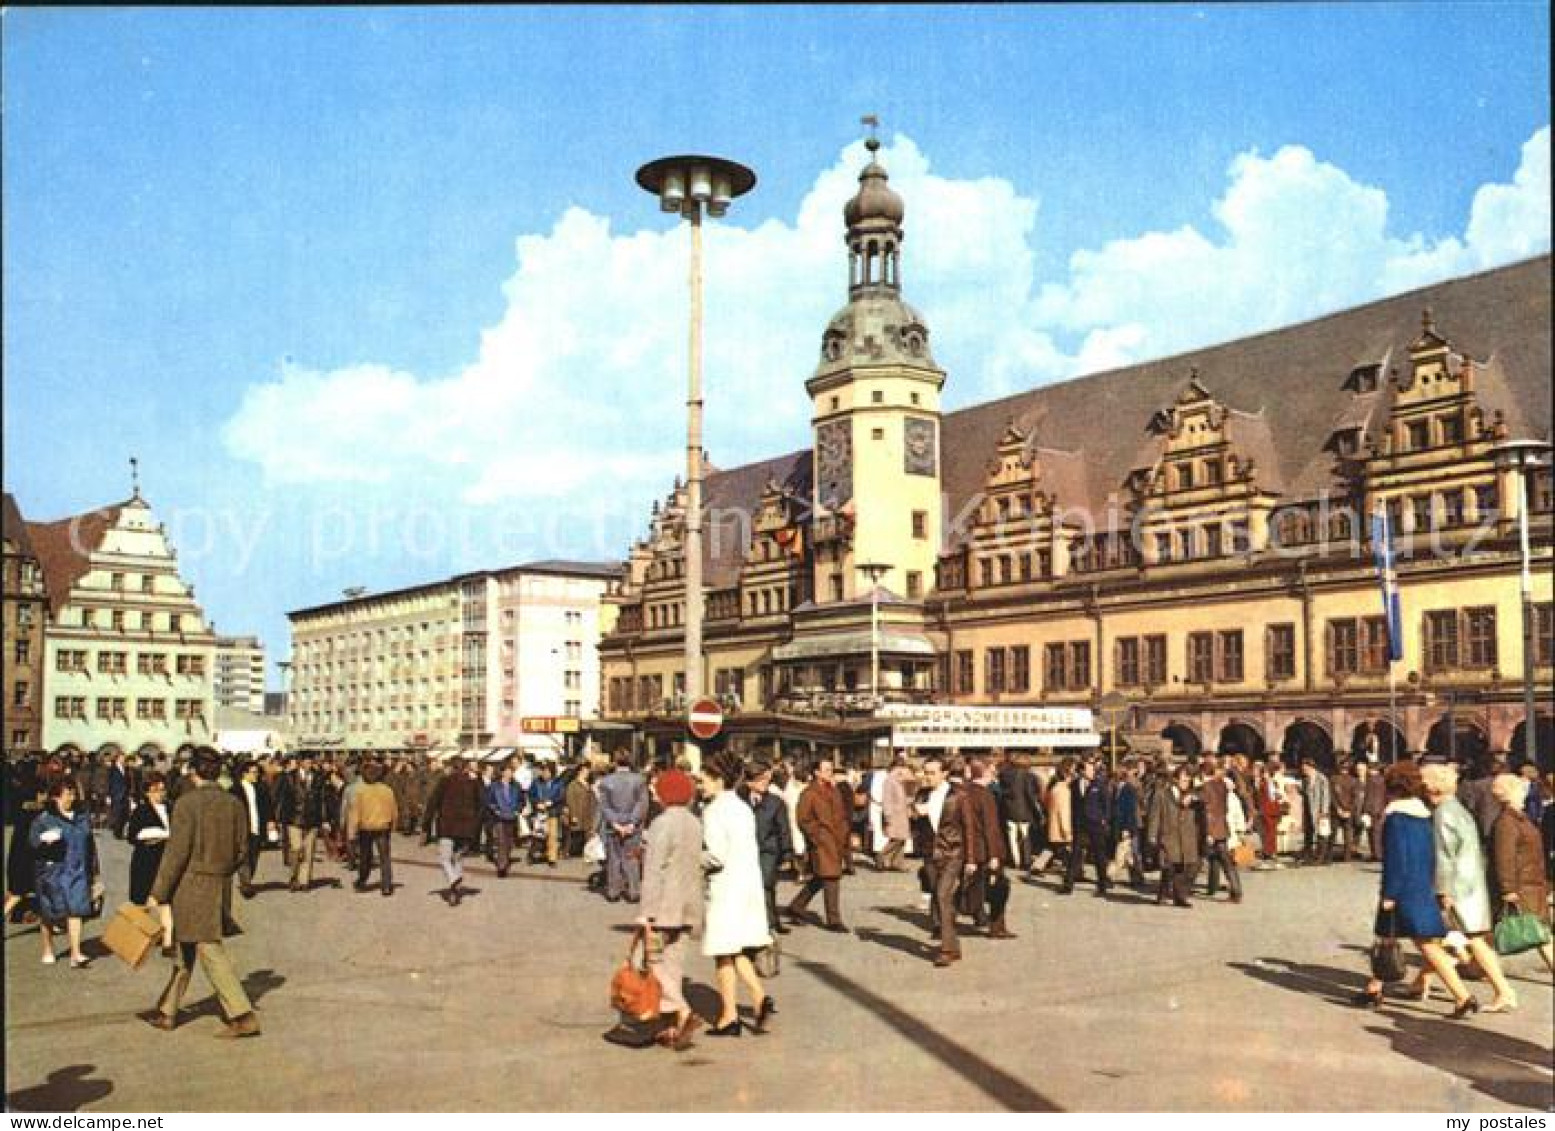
406 1004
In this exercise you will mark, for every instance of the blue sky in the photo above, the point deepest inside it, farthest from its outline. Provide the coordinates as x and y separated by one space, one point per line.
373 297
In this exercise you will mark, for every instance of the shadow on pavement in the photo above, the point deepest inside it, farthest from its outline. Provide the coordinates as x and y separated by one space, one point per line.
66 1089
917 919
257 985
1505 1068
1004 1089
915 948
1332 983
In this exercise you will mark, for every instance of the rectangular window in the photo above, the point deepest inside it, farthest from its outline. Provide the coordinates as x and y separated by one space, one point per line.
1020 668
836 586
1155 660
914 584
153 709
1184 476
1213 542
112 663
1006 570
1127 674
1343 647
116 582
1420 505
1441 640
1374 644
1201 657
965 675
116 620
191 665
1543 634
1163 547
21 693
1452 429
62 709
22 651
148 583
1479 633
1080 665
1211 471
24 615
993 670
1419 434
151 663
1025 566
920 524
1230 658
1452 507
1053 667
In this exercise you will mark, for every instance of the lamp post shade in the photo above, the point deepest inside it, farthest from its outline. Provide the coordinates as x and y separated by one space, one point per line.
693 179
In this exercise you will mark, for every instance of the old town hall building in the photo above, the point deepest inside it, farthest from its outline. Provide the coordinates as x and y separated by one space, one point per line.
1191 533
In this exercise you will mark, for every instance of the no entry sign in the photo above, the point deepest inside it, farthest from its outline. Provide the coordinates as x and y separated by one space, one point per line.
704 720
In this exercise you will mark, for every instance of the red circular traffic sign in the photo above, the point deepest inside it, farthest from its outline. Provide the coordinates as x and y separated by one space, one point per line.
705 719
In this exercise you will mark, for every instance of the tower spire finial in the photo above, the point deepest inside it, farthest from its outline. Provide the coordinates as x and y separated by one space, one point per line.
872 123
135 476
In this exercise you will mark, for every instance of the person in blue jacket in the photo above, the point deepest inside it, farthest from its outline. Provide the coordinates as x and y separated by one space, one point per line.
547 799
1408 908
504 802
66 868
1125 822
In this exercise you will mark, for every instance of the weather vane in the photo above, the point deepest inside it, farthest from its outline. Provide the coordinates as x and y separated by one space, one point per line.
872 121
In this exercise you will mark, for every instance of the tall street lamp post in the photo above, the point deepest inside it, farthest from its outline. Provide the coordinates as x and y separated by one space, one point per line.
686 185
1525 455
874 571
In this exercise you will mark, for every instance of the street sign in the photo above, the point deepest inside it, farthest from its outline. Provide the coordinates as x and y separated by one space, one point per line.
705 719
549 724
1114 708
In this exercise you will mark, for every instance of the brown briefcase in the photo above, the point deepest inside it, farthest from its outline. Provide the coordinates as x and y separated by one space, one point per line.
133 934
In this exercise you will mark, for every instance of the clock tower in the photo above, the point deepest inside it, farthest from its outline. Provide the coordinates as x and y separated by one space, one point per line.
875 396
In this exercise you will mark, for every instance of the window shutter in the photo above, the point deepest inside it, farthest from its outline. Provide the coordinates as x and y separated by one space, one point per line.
1328 648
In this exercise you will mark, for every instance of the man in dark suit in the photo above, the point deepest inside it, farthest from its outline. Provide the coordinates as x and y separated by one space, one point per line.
774 844
259 820
1092 821
988 851
203 852
1022 807
944 807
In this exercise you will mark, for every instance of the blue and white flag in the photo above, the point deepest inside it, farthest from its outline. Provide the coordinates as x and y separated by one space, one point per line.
1382 549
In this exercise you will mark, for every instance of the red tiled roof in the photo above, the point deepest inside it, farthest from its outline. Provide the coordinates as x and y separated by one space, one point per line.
63 547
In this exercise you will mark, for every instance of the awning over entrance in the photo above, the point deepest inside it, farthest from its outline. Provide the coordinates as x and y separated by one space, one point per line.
830 645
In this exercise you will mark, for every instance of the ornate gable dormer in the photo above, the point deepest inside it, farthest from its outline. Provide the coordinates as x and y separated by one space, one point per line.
1206 478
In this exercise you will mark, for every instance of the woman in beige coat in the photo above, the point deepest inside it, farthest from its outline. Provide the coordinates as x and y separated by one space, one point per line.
1060 813
672 899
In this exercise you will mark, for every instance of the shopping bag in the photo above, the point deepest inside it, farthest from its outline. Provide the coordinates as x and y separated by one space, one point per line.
1518 931
769 960
1387 953
634 990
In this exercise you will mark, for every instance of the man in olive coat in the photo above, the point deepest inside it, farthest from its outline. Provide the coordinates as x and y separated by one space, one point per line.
826 824
207 845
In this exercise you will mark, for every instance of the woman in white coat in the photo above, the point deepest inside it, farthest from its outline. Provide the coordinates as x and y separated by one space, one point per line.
735 920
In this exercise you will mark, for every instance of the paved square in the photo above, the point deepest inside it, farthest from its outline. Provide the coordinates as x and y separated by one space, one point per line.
406 1004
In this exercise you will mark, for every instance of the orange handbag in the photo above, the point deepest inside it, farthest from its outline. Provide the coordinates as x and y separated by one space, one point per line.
634 990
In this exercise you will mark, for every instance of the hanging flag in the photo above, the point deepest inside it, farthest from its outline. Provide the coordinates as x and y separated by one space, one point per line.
1387 574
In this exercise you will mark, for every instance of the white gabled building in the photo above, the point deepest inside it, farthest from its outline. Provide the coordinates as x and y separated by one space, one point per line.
128 656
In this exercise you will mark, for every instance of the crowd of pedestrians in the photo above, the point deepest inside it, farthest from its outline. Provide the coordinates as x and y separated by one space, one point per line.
704 856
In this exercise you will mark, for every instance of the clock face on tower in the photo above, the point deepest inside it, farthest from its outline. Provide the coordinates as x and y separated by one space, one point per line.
918 446
834 463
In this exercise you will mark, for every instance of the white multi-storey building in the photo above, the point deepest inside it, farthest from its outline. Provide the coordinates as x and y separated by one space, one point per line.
240 673
128 658
456 663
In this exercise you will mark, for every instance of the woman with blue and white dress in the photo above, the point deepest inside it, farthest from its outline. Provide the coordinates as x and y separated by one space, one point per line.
65 869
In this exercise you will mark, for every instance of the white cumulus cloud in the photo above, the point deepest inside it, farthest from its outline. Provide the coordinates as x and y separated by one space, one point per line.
574 394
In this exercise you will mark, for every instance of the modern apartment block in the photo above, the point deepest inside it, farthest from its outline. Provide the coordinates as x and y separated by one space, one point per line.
458 663
240 673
